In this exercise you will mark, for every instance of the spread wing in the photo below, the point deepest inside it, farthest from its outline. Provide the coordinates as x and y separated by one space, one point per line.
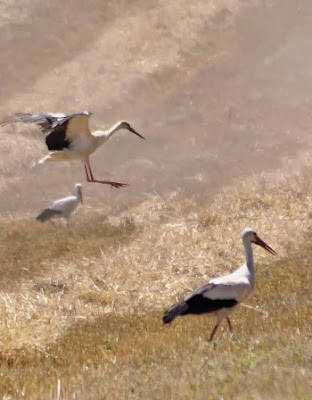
47 122
61 129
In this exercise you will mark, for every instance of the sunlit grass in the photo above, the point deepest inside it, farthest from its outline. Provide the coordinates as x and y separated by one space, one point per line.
25 245
81 308
135 356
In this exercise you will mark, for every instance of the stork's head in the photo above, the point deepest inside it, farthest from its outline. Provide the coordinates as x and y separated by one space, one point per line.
249 235
126 125
78 189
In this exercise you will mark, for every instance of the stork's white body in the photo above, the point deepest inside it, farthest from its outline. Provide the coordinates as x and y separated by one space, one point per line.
221 295
237 285
66 206
79 149
69 138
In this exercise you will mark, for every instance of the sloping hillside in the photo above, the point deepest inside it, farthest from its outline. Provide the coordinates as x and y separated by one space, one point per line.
222 92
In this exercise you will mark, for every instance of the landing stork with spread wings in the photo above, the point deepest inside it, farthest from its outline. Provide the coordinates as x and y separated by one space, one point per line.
68 137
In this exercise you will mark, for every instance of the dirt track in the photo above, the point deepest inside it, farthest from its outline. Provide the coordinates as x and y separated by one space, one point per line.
218 91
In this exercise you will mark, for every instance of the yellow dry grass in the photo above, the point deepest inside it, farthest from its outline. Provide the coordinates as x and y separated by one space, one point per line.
81 308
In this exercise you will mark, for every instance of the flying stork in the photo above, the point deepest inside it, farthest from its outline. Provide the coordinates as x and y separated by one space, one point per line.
62 208
68 137
221 295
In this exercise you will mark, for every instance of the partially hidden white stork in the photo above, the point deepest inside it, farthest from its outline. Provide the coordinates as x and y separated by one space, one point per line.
221 295
62 208
68 137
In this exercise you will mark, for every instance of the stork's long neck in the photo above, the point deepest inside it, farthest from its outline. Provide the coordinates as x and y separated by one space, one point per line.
78 194
249 259
112 130
103 136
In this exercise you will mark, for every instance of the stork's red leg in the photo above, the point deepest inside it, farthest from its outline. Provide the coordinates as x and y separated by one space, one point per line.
112 183
90 173
213 332
87 174
90 178
230 325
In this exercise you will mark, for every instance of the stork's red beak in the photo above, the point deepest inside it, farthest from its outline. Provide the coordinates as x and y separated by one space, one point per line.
135 132
266 247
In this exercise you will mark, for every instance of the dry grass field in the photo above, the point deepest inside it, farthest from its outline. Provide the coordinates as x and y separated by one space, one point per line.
81 308
222 91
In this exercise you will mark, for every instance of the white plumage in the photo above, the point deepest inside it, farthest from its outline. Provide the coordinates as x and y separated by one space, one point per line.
68 137
220 295
62 208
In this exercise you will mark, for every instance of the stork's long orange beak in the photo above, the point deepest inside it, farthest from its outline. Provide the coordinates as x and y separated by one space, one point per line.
135 132
266 247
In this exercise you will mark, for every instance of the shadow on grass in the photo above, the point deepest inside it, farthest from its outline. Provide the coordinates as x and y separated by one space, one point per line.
25 246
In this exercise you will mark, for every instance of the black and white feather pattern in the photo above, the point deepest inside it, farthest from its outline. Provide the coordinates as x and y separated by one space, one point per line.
60 129
207 298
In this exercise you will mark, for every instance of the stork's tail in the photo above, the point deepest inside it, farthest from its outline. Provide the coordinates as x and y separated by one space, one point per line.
44 159
175 311
47 214
60 155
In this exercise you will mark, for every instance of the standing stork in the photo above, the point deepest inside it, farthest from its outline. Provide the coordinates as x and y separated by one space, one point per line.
221 295
62 208
68 137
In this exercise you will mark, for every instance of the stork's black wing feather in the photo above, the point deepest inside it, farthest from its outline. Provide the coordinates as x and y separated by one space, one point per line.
56 139
47 121
199 304
47 214
52 124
